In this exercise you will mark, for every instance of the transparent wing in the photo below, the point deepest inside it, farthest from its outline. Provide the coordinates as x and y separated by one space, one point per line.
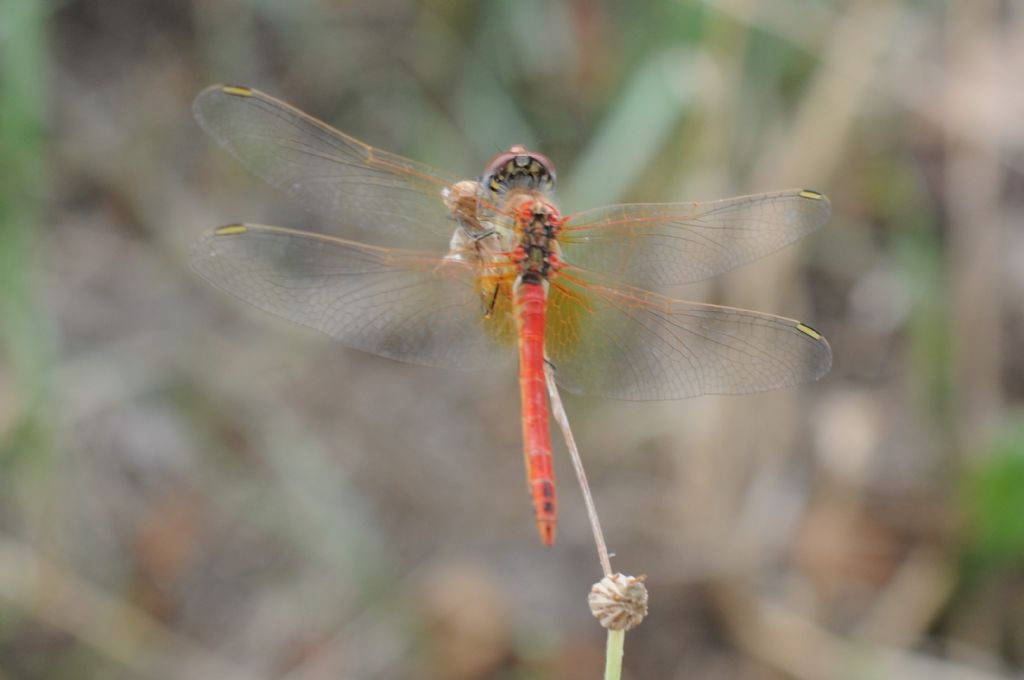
323 169
405 305
659 244
633 344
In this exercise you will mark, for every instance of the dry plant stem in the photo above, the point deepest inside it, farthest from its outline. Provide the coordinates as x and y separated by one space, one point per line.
563 422
616 638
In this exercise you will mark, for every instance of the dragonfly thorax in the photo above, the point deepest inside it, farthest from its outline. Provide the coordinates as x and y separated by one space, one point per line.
536 225
518 168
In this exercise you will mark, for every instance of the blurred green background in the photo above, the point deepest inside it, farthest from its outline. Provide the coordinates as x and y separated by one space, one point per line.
191 489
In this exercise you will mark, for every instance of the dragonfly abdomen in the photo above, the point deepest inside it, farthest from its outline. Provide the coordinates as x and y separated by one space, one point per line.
531 308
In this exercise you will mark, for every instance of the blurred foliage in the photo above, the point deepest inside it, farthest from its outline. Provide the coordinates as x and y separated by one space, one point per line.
25 333
189 489
995 503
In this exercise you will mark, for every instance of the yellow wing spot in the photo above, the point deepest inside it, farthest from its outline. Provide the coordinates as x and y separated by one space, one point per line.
236 90
231 230
813 195
807 330
499 320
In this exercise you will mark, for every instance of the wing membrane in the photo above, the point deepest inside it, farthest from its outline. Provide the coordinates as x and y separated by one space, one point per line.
323 169
633 344
404 305
659 244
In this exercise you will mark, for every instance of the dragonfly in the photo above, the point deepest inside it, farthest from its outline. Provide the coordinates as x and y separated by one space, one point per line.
472 271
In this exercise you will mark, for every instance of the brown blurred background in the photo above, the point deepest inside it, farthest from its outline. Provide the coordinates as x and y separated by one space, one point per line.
192 489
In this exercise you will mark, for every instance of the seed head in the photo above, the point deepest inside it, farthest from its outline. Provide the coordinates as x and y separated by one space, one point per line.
619 602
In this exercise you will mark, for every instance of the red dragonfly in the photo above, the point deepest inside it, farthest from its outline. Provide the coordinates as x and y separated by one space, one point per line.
491 264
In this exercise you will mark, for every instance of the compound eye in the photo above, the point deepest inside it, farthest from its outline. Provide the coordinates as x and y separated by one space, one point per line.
518 167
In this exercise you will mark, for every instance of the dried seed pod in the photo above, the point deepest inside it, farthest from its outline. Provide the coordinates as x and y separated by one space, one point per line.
619 602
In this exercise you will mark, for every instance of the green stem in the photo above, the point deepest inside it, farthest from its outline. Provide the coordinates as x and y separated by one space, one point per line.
613 654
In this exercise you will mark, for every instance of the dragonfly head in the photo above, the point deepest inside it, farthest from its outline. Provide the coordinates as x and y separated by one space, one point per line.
518 168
